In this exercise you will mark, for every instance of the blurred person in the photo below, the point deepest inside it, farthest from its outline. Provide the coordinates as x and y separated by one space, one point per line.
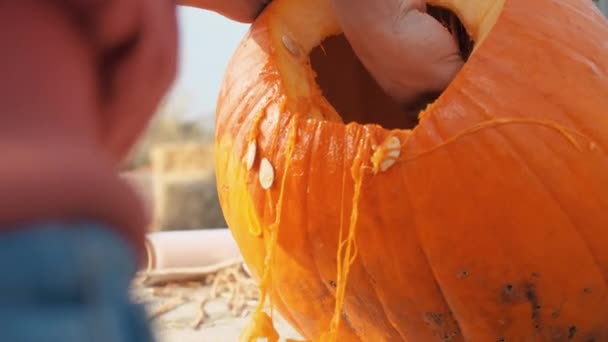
79 82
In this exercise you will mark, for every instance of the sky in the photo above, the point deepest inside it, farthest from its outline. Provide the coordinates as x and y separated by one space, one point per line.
207 41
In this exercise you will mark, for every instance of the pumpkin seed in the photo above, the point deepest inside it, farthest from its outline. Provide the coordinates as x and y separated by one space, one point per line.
387 163
393 148
393 143
394 153
266 175
291 46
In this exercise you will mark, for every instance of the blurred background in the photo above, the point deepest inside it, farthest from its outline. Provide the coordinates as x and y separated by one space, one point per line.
603 5
172 166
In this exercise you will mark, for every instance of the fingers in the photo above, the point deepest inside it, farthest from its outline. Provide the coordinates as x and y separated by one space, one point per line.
244 11
140 70
408 52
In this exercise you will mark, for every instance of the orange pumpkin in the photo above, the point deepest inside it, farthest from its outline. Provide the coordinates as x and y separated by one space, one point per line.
484 220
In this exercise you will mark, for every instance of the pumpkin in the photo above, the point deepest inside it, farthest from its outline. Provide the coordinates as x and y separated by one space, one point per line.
484 218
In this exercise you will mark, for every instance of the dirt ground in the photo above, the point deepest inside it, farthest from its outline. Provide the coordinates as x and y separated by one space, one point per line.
213 308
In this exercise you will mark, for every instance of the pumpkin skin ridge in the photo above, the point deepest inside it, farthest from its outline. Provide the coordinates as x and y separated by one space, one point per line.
576 227
436 280
346 325
320 130
279 155
390 332
310 155
275 293
314 138
277 300
314 150
275 150
489 118
517 152
567 115
572 119
437 333
457 331
276 155
564 213
558 203
580 234
499 131
254 273
452 309
565 133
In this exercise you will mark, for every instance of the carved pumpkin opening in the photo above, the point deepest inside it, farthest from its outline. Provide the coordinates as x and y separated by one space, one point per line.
353 92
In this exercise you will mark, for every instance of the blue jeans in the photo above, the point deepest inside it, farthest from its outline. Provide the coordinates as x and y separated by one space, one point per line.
68 283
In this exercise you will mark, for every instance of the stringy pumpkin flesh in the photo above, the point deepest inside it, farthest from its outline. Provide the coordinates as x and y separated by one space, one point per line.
486 222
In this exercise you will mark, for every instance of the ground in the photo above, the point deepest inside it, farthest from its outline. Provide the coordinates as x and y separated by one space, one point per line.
211 307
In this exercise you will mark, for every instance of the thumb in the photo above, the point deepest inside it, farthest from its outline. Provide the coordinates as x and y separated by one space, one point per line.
409 53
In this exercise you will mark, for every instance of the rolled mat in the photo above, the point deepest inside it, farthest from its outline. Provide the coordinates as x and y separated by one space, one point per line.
188 254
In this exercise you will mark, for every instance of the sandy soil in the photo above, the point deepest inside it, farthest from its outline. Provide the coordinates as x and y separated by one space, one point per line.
214 308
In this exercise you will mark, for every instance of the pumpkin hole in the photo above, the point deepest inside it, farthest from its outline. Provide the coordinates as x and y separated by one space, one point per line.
353 92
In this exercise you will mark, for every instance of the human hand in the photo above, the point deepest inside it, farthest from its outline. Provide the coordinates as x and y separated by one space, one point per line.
135 42
409 53
102 66
111 61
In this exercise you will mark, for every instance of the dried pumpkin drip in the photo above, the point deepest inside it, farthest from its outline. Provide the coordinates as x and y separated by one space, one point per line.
347 249
252 138
568 134
255 230
261 325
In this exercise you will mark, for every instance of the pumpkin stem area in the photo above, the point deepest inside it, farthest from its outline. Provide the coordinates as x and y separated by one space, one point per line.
353 92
